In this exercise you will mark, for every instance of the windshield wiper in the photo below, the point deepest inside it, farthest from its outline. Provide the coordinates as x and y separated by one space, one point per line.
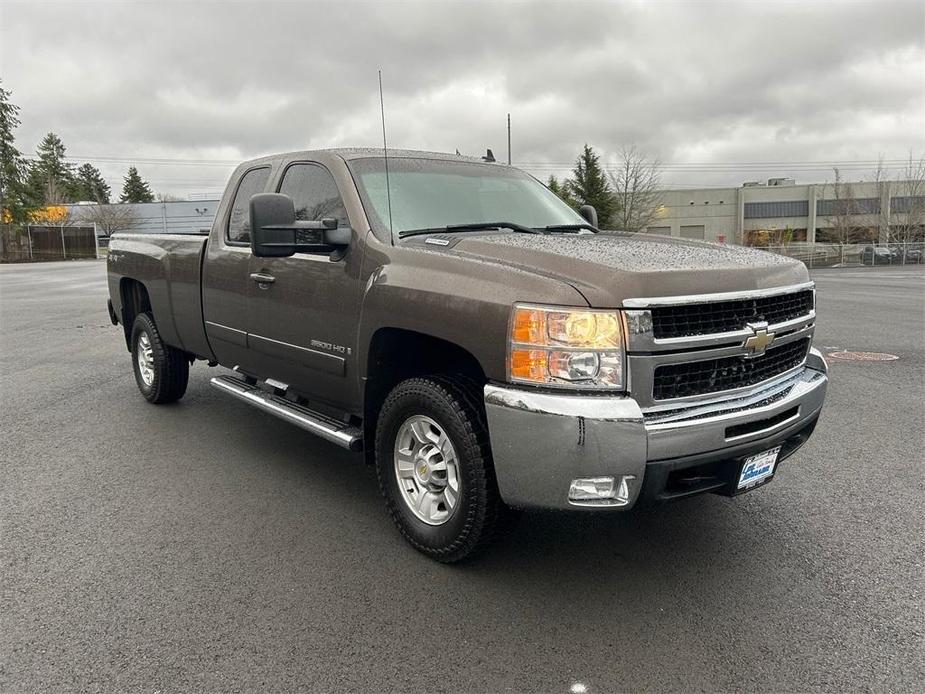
570 227
474 226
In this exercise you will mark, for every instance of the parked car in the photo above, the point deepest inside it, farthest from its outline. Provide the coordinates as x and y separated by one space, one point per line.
906 254
878 255
487 348
811 254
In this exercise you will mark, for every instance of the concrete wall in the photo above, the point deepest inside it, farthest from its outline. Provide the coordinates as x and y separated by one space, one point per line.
714 208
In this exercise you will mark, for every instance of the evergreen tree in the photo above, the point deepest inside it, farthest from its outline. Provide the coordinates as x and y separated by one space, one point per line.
12 166
135 188
90 185
51 176
589 186
560 188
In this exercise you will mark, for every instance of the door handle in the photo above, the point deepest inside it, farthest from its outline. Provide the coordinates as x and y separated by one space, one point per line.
261 278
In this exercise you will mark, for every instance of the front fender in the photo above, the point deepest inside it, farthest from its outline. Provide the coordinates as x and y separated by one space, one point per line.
454 298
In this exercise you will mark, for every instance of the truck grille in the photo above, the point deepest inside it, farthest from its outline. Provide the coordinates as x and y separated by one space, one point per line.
728 316
726 373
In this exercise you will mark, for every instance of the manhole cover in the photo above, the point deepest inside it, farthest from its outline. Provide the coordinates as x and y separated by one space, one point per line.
862 356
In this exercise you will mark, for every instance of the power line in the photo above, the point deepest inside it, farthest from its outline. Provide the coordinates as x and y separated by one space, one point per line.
667 165
722 168
750 168
763 163
158 161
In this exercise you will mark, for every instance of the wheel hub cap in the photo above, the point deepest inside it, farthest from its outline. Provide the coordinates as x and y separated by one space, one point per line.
145 359
427 470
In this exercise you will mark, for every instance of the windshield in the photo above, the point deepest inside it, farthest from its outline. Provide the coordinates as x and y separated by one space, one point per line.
432 193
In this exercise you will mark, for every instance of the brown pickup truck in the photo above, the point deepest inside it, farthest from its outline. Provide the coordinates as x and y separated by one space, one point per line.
486 347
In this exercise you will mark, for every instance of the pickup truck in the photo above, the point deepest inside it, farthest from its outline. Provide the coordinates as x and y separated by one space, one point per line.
486 347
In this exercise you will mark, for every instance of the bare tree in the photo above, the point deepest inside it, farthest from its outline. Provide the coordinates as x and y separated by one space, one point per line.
907 216
841 211
167 197
635 182
110 218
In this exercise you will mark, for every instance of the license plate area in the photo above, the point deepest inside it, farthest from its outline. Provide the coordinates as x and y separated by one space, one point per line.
757 470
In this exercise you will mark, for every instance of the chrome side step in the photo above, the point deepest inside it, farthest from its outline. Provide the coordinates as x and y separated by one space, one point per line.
344 435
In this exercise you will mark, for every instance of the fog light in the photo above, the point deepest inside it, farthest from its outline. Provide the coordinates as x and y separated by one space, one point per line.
600 491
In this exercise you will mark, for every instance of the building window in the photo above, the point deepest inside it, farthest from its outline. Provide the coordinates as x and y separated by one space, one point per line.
693 231
851 235
828 208
782 208
773 237
664 231
908 203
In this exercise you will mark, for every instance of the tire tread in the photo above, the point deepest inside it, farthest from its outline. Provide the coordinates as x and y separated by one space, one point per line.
487 517
171 365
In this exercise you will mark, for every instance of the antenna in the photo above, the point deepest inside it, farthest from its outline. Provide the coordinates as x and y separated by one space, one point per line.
509 139
385 154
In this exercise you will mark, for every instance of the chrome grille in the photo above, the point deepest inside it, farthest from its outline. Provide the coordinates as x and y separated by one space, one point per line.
727 373
684 351
728 316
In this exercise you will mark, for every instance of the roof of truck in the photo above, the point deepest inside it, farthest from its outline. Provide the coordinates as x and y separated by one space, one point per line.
365 152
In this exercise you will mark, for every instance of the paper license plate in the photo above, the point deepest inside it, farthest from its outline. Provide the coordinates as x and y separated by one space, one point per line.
758 468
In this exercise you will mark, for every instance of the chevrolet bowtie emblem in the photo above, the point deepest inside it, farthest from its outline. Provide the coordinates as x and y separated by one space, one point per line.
760 341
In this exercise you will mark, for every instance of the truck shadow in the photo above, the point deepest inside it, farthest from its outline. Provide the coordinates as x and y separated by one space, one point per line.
707 542
691 527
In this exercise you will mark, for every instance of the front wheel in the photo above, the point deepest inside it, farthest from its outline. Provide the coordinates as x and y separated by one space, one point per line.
161 371
433 460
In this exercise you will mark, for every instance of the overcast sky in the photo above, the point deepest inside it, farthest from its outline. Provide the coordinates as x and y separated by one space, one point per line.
702 86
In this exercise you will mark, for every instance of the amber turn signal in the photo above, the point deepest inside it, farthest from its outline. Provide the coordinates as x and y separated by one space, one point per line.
529 364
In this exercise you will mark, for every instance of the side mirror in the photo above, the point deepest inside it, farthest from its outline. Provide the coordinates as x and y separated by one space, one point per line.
275 232
589 213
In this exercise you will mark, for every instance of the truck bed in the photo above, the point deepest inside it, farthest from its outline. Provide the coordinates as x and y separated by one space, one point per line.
170 267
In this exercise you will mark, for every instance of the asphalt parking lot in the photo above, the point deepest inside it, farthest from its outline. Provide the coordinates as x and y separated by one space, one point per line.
209 547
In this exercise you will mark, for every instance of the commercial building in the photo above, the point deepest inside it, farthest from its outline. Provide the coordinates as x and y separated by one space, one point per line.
180 216
780 212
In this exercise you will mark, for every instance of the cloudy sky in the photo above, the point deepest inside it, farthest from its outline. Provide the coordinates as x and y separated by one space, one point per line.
718 92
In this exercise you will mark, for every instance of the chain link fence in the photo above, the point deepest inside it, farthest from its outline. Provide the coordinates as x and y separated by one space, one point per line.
852 255
35 243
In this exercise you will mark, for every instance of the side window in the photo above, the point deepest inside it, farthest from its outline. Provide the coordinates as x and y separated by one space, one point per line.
239 225
314 193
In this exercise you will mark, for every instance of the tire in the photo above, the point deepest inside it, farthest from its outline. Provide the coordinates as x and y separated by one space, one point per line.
453 408
164 377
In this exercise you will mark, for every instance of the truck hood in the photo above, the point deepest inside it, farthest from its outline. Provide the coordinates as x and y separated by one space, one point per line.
609 267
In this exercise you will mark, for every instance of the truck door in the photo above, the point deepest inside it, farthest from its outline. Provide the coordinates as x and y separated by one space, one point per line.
304 321
226 279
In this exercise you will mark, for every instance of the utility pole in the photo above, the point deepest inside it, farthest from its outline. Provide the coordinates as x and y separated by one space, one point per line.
509 139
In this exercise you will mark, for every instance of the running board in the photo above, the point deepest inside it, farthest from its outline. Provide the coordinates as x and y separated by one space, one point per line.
328 428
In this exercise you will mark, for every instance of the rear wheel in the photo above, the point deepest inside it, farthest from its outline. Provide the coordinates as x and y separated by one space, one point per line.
161 371
433 460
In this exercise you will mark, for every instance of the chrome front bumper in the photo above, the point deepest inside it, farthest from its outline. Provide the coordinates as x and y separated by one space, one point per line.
543 441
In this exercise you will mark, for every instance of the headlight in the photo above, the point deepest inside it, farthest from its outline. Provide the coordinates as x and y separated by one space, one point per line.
568 348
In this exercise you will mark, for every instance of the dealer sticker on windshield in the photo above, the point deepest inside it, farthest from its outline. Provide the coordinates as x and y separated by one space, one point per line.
758 468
